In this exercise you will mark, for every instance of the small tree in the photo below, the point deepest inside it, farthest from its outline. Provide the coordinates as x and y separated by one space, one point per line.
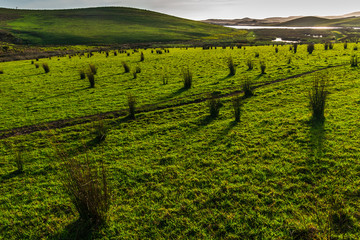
295 47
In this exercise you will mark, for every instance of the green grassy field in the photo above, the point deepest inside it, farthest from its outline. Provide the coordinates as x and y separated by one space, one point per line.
175 172
322 22
113 25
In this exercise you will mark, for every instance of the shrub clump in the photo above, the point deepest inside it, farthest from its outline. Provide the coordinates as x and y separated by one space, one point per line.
247 88
86 183
93 69
91 78
317 97
187 77
250 64
354 61
214 106
126 67
142 57
262 67
310 48
46 67
100 131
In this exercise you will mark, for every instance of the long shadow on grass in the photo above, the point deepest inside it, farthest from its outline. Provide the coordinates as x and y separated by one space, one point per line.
223 133
77 230
63 94
175 94
10 175
317 136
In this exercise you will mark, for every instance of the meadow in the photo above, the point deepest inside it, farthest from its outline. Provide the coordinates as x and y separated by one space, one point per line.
175 171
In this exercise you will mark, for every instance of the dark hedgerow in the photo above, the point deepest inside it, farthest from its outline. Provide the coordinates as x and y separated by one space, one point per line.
317 97
46 67
187 77
132 106
231 65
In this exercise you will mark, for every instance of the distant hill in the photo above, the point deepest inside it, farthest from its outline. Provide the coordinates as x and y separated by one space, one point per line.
322 22
107 25
347 20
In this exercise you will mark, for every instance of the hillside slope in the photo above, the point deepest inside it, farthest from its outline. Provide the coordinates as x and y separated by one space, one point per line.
106 25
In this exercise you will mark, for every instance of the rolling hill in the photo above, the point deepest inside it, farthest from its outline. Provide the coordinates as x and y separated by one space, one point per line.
107 25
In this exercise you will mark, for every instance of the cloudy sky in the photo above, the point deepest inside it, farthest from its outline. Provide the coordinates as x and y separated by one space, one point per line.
204 9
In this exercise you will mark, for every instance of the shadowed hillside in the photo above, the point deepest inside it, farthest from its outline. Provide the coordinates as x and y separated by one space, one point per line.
106 25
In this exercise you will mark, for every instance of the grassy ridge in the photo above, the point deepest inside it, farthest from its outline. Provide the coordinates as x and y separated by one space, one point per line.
110 25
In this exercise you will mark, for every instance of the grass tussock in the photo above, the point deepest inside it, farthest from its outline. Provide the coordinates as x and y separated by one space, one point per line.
86 184
214 105
100 131
82 74
262 67
126 67
46 67
187 77
310 48
93 69
19 162
354 61
236 102
231 66
132 106
317 97
91 78
247 88
250 64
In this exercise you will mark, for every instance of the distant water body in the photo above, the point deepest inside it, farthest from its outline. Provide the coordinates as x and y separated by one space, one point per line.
278 27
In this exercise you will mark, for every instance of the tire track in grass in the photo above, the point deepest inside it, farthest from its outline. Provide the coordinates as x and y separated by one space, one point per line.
58 124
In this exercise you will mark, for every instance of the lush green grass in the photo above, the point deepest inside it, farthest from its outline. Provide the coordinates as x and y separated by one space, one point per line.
29 96
111 25
176 173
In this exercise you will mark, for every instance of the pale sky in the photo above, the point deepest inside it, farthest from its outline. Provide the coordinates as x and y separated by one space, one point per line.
205 9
